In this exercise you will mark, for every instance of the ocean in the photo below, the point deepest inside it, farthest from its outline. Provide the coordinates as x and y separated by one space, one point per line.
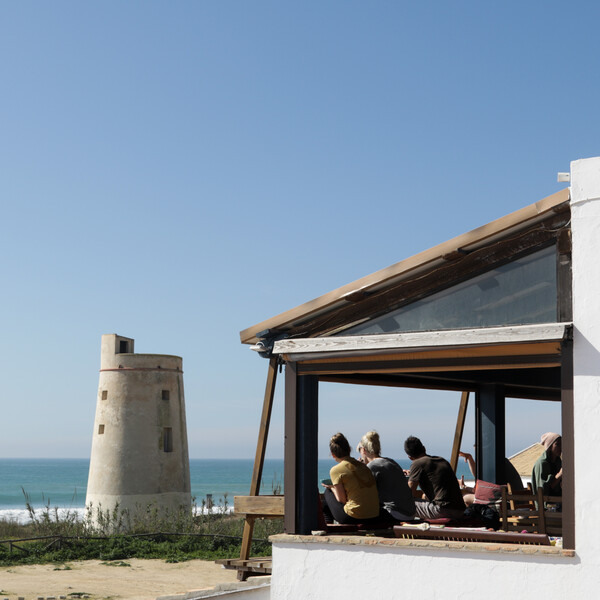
61 482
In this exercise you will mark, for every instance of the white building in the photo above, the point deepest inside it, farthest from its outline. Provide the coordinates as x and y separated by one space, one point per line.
511 309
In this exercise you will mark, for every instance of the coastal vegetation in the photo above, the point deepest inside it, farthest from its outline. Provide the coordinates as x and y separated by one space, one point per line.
51 536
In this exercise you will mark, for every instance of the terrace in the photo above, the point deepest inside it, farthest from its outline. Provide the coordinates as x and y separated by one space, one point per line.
486 314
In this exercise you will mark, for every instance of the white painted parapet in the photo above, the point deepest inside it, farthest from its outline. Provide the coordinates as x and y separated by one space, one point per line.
139 449
360 568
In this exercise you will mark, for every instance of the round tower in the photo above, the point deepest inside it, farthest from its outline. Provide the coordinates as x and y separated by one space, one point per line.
139 448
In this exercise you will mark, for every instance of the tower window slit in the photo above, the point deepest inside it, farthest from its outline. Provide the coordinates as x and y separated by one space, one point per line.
168 439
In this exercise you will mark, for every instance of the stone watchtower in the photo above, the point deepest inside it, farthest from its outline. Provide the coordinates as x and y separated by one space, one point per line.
139 448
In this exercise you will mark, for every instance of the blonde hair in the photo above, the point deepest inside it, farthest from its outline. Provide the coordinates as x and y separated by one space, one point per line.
370 442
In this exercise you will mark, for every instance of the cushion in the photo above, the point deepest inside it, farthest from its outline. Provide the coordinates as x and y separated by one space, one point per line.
487 493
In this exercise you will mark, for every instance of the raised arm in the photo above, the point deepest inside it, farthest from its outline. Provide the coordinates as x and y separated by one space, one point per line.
470 461
548 481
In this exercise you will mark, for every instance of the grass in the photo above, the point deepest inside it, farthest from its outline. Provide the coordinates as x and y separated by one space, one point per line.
117 563
118 535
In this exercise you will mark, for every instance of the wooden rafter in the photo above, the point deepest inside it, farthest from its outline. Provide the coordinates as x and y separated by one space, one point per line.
259 461
460 426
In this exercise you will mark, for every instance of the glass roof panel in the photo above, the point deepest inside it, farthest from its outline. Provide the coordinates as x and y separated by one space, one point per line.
521 292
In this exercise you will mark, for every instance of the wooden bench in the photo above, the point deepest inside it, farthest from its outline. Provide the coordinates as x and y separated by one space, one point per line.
251 508
250 566
465 534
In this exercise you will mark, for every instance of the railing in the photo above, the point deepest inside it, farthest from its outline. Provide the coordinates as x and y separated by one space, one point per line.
59 539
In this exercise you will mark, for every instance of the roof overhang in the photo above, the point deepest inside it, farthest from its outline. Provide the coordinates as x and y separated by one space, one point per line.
500 229
525 359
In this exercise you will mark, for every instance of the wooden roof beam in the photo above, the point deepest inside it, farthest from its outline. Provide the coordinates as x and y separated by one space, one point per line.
317 348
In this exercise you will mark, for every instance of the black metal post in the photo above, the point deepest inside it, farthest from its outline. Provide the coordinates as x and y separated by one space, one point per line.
301 451
568 446
490 433
307 427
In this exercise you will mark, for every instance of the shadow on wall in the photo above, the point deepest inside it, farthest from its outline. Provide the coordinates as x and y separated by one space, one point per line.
588 356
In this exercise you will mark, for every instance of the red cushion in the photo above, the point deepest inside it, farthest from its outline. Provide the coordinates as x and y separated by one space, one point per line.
486 492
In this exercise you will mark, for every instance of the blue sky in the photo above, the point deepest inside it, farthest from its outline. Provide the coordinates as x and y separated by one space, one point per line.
178 171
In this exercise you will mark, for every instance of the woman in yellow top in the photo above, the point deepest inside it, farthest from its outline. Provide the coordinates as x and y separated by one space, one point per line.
352 496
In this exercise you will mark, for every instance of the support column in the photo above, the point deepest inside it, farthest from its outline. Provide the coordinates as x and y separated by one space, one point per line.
490 433
301 466
568 446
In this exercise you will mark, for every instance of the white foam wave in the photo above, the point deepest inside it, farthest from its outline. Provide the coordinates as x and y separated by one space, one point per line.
22 516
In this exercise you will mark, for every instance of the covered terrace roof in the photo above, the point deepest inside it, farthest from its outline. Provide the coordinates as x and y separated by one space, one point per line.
459 258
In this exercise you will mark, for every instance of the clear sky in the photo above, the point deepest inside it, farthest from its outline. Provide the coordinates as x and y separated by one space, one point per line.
178 171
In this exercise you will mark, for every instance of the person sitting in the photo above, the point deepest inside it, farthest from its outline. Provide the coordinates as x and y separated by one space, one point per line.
352 496
395 497
440 495
547 471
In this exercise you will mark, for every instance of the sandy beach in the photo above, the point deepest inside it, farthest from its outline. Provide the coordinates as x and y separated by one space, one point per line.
135 579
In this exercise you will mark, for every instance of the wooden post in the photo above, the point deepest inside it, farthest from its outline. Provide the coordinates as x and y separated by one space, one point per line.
460 427
259 459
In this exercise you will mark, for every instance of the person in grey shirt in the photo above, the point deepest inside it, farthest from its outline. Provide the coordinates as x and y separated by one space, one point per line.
395 496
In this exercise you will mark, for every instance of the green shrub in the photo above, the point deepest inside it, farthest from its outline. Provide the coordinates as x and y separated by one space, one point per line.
117 535
218 537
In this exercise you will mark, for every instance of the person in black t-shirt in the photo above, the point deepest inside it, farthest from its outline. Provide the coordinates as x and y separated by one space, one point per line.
439 495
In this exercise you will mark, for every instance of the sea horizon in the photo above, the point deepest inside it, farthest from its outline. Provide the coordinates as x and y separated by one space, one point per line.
62 482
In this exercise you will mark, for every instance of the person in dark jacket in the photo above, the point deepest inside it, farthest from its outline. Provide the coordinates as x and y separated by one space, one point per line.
547 472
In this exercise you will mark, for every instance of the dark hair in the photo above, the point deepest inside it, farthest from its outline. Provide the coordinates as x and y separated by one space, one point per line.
413 446
339 446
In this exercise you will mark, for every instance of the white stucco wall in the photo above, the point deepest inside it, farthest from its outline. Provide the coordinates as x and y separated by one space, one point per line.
313 570
585 227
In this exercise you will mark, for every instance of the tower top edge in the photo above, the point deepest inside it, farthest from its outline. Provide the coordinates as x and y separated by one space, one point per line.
151 355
